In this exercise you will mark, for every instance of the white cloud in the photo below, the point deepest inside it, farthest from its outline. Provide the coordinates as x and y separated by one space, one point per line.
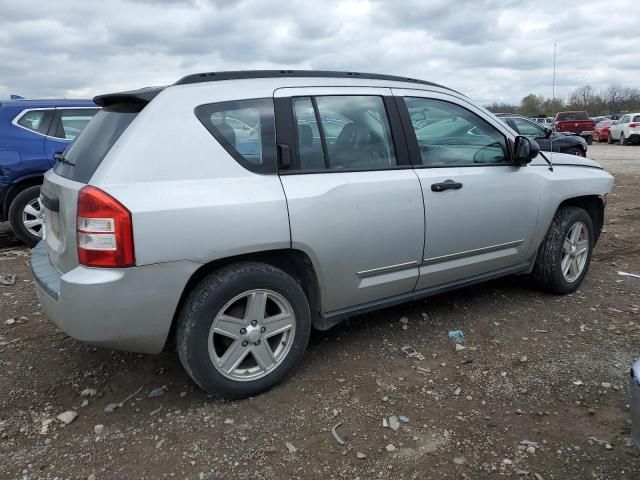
491 50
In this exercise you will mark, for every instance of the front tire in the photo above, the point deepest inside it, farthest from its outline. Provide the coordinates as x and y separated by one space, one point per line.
565 254
610 139
576 151
242 329
26 216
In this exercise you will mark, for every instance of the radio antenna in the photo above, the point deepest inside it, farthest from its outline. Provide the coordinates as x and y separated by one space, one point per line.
553 102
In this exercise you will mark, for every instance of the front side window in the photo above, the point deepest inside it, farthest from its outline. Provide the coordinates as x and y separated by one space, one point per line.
73 121
525 127
34 120
245 128
343 133
450 135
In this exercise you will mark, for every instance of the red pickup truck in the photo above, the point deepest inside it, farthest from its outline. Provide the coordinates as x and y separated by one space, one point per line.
575 122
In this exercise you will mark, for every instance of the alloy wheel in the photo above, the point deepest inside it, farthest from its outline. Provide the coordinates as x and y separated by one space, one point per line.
251 335
33 217
575 251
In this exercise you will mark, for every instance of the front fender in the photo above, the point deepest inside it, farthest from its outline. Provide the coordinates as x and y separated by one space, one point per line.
565 183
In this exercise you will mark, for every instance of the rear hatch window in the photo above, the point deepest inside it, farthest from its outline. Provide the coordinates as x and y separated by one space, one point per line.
84 155
573 116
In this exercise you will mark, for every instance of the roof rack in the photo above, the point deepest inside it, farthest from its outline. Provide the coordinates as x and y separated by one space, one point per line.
145 95
248 74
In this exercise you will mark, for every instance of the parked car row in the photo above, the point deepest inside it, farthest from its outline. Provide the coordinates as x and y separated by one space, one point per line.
31 132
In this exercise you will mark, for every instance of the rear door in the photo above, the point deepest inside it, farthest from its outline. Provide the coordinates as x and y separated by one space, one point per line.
480 209
355 204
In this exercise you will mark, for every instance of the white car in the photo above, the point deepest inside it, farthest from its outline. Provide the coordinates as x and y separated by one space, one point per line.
626 130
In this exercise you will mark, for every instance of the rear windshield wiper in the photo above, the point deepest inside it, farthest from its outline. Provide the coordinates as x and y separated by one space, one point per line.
59 157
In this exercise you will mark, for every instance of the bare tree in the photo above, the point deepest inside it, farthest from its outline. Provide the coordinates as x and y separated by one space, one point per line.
584 98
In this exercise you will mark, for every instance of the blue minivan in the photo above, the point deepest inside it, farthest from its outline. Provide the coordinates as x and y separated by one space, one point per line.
31 132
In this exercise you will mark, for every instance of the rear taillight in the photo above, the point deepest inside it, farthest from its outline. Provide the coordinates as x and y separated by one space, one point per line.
104 230
634 125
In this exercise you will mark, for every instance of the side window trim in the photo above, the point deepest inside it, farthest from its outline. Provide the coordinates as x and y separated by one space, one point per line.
286 128
412 140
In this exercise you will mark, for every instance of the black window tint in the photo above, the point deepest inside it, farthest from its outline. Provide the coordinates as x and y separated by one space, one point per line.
449 134
525 127
245 128
35 120
73 121
85 154
310 151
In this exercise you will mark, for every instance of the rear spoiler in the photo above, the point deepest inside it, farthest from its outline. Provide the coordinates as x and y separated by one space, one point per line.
143 95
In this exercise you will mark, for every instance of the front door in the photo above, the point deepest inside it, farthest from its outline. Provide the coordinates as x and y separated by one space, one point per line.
480 209
355 204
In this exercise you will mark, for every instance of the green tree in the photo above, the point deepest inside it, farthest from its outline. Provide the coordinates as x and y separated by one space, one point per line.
532 105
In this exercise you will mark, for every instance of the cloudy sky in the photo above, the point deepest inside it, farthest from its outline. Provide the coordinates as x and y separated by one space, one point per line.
491 50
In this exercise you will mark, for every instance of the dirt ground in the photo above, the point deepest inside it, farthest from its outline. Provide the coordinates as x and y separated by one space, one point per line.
540 392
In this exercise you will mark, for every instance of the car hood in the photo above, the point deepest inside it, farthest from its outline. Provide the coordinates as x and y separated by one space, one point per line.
566 159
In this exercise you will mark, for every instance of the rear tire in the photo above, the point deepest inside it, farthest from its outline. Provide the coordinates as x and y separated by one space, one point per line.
562 264
623 141
589 140
230 350
26 216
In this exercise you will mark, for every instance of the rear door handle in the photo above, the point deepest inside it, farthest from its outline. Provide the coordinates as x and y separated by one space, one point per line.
446 185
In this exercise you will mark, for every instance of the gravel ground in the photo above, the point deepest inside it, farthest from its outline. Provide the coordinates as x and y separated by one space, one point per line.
540 392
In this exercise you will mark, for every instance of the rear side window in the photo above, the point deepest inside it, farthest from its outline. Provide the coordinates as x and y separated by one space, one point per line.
636 118
83 157
36 120
72 121
246 129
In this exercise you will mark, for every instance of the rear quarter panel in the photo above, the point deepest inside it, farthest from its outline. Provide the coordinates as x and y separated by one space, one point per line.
190 200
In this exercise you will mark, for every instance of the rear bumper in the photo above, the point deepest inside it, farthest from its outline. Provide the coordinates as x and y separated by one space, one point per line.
634 137
124 309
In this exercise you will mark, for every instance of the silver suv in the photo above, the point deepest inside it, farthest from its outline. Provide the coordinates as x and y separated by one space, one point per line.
229 213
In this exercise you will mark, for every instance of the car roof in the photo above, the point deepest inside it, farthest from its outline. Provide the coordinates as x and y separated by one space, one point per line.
48 103
145 95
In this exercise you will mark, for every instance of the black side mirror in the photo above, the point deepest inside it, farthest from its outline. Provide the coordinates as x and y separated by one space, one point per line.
525 150
547 132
